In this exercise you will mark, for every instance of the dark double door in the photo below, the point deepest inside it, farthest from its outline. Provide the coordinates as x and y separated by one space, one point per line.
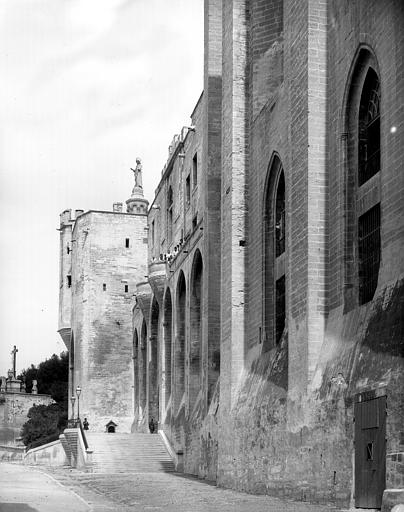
370 452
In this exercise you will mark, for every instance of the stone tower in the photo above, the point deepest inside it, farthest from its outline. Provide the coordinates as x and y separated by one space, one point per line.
103 254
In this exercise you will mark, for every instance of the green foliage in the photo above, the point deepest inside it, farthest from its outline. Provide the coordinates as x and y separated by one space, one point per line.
52 376
45 422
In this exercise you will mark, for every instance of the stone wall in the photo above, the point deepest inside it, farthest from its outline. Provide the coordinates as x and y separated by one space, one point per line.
51 454
280 418
104 273
290 431
14 408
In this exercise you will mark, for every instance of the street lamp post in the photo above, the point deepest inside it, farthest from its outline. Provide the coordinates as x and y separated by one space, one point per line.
78 393
72 400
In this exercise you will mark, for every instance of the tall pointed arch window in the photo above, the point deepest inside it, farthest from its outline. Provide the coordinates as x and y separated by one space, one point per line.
363 208
368 166
369 128
274 256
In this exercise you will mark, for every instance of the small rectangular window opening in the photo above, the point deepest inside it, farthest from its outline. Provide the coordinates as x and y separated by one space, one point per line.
195 170
104 287
369 451
127 243
126 288
188 189
69 281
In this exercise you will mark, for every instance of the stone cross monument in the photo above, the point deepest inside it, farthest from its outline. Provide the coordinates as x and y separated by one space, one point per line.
14 361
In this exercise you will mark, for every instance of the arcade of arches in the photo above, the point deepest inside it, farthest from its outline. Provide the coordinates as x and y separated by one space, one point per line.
168 354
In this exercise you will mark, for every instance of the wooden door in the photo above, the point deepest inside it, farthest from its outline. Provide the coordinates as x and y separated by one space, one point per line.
370 451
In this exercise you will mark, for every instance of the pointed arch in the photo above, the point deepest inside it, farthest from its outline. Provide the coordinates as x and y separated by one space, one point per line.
153 365
143 367
167 333
274 246
136 380
195 346
179 355
362 122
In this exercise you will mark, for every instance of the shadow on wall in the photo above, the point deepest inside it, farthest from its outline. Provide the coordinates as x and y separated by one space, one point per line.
368 350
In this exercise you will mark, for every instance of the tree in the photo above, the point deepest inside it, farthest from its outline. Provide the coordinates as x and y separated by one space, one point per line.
46 422
52 376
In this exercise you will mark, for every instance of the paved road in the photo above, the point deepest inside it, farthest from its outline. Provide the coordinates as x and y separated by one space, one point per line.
29 490
24 489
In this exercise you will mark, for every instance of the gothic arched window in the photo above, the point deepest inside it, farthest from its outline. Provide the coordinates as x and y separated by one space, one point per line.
363 207
369 128
274 259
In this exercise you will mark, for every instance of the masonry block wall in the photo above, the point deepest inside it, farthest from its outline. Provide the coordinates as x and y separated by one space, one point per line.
292 421
109 256
14 409
65 274
286 76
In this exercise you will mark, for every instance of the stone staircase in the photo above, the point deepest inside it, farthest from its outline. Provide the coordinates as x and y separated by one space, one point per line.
128 453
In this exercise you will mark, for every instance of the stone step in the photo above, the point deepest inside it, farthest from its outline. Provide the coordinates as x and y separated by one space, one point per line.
128 453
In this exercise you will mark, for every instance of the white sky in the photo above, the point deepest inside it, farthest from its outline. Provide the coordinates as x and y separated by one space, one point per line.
86 86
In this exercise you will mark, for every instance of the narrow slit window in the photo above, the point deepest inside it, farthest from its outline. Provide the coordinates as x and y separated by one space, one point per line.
104 287
170 215
195 170
126 288
127 243
188 190
369 253
69 281
369 451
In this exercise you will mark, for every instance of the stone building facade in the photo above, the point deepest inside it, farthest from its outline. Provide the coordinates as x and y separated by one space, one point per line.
102 256
257 312
268 338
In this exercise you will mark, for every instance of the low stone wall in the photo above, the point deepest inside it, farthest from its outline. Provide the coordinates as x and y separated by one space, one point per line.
14 408
51 454
12 453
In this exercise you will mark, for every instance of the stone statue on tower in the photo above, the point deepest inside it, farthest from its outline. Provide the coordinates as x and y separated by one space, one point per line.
137 171
137 203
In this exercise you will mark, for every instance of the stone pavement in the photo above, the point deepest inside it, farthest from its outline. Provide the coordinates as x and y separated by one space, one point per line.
169 492
24 489
31 489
